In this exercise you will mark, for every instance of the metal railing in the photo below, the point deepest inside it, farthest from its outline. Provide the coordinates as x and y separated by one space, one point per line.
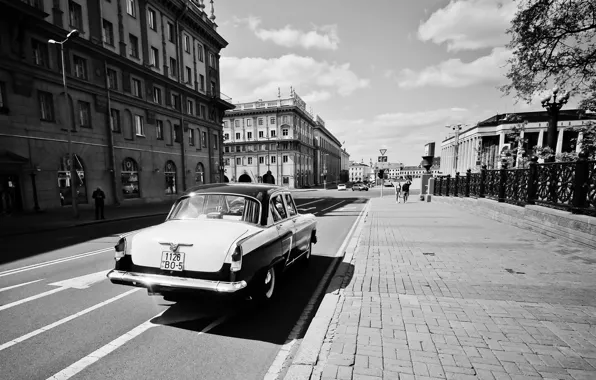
569 186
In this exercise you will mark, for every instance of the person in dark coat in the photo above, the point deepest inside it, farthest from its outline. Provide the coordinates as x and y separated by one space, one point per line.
99 197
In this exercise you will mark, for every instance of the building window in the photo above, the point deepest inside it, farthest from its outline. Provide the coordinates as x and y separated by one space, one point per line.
213 88
84 114
215 138
236 123
249 135
80 65
273 159
237 135
188 75
186 43
137 89
46 106
212 61
175 101
108 33
250 160
285 132
129 176
261 160
226 136
177 137
248 122
200 173
154 57
2 96
40 53
238 161
272 133
173 67
151 19
157 95
139 128
237 148
260 121
200 52
191 137
115 120
171 32
189 107
112 79
76 15
285 159
261 134
227 161
202 82
286 180
271 120
134 46
203 111
159 129
130 7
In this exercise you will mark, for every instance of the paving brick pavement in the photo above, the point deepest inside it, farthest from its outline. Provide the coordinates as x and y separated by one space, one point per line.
437 293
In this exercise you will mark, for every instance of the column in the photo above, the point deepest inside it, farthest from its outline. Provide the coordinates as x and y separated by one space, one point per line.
501 141
541 138
580 139
560 141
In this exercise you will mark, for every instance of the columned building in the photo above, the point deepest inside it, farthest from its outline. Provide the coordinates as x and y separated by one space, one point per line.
483 143
328 155
272 141
143 106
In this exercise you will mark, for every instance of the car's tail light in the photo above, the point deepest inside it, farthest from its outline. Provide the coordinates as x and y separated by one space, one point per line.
120 249
236 257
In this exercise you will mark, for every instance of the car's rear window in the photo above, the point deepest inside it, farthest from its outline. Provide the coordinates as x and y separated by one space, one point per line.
216 206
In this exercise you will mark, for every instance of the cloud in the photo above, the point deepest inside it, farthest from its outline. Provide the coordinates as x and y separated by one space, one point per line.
469 24
320 37
248 79
316 96
455 73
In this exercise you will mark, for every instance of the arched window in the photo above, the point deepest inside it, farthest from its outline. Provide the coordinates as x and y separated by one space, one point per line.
200 174
64 181
130 179
170 174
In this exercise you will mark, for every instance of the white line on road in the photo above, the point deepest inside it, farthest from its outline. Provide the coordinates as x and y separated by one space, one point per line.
64 320
308 203
32 298
52 262
19 285
93 357
318 212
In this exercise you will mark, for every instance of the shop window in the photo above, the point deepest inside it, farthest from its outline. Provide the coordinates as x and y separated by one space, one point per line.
130 179
170 176
200 174
64 181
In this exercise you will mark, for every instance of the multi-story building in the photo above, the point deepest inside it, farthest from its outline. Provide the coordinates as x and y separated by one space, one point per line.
144 108
483 143
344 166
359 172
327 160
277 141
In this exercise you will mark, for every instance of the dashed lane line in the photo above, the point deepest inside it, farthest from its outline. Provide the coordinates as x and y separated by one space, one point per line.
19 285
330 207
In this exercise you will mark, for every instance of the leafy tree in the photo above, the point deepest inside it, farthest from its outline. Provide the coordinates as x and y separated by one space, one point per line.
553 41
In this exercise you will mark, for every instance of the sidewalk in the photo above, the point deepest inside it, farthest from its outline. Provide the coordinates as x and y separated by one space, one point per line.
62 218
431 292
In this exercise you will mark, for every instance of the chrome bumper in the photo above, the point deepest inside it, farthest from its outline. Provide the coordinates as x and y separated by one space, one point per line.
156 280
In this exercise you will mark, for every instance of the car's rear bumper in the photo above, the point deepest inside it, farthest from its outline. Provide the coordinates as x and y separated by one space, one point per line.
172 283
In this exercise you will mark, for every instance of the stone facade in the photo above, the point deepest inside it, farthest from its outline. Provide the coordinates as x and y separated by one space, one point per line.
138 133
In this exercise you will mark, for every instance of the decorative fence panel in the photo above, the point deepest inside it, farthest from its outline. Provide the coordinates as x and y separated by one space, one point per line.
569 186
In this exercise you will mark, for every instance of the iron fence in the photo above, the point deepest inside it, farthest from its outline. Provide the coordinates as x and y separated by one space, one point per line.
569 186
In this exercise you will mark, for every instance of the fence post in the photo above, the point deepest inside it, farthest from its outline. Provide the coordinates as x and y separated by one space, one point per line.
447 185
580 185
468 179
455 188
482 189
532 179
502 182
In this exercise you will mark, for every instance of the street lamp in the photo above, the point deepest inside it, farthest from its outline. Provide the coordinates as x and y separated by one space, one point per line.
456 128
325 170
73 171
553 108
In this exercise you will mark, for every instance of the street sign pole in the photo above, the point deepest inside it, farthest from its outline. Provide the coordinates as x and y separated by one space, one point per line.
382 151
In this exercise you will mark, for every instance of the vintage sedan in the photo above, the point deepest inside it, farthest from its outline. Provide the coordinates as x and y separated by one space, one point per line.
230 238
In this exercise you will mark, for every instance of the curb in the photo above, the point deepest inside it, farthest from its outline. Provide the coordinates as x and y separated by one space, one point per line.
82 224
308 353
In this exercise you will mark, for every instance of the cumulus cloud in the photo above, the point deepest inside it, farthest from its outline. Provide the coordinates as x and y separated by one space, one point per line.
320 37
469 24
247 79
316 96
455 73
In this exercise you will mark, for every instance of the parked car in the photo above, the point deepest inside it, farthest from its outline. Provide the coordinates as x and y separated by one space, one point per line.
359 187
341 186
231 238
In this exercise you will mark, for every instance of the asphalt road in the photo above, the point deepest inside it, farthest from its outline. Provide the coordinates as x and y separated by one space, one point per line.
61 318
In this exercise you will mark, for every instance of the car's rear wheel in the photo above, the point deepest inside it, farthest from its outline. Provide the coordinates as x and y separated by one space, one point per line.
265 287
306 256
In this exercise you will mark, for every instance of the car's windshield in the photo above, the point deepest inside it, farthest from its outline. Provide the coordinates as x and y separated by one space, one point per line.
216 206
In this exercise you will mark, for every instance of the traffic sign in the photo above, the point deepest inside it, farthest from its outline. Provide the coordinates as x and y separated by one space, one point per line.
383 151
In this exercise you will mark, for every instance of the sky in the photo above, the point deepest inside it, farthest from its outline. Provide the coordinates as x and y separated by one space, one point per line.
382 74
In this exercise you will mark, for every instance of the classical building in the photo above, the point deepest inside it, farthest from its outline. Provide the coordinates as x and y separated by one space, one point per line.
344 166
359 172
279 141
144 107
483 143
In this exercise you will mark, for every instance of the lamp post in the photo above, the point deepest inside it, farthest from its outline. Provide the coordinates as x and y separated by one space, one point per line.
552 108
456 128
325 171
73 171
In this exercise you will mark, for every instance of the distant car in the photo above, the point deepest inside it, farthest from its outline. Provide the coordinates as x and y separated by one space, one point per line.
218 239
341 186
359 187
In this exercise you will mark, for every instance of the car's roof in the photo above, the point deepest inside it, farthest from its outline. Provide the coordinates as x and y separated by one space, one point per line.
255 190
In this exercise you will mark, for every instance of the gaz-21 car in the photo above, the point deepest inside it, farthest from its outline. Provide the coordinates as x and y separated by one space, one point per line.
218 238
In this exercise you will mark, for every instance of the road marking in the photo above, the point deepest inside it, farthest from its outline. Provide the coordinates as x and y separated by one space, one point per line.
80 365
286 349
318 212
19 285
306 209
308 203
82 282
64 320
52 262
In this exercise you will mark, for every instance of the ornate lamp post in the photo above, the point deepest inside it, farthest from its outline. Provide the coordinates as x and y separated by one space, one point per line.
456 128
552 108
73 170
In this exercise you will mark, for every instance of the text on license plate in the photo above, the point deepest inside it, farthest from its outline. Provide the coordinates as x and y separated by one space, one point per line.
172 260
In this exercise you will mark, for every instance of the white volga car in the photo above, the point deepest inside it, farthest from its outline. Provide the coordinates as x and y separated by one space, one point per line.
218 238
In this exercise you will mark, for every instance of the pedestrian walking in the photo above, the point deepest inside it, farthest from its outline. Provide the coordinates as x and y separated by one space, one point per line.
397 191
406 190
99 197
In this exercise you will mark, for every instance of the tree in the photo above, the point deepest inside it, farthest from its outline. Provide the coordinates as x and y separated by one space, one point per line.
553 41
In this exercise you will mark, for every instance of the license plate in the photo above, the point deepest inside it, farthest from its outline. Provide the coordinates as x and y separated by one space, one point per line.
172 261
